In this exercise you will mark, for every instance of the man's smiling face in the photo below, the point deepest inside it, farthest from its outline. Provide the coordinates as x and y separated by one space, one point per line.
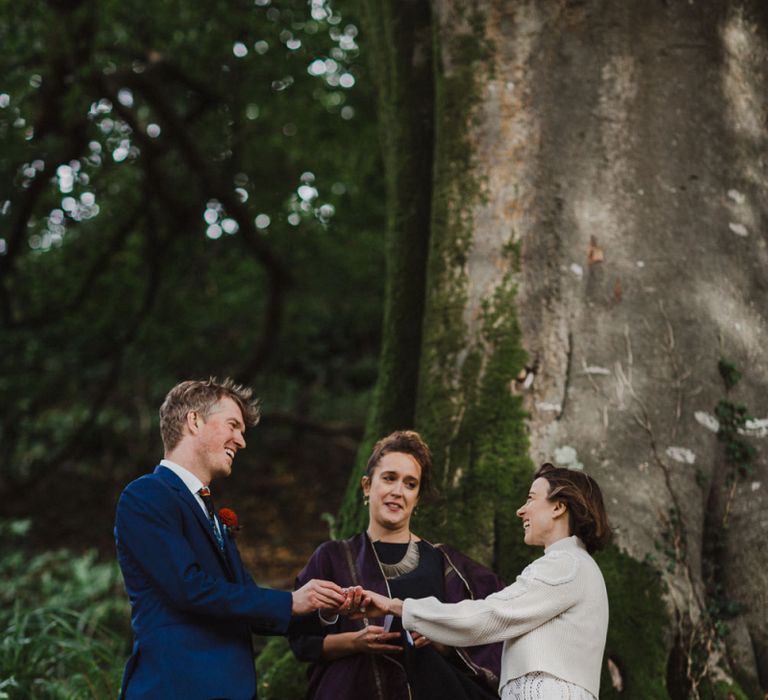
219 437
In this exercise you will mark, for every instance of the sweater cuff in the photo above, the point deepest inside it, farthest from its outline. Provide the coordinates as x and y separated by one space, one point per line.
407 616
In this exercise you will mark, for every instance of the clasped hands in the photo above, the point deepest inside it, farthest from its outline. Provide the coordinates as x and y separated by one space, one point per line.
360 603
354 602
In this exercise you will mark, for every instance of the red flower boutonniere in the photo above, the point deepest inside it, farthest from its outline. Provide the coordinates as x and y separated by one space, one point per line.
229 518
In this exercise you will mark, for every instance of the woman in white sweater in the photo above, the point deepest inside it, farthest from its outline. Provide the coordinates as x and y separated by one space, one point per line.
553 619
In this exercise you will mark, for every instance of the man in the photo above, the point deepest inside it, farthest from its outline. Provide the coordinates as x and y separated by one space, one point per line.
193 605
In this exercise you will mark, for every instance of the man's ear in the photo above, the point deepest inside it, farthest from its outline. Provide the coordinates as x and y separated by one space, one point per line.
192 422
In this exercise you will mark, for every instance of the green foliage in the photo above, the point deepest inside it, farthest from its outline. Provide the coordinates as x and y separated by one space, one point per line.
188 189
739 454
674 540
64 618
730 375
726 691
738 457
638 628
280 676
330 520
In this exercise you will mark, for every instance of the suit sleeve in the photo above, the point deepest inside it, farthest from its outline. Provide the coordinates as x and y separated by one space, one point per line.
149 529
306 632
260 627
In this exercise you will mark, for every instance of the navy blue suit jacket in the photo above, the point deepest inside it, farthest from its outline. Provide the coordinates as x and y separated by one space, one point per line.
192 605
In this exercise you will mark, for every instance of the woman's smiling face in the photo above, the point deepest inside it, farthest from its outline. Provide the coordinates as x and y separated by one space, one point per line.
393 490
539 515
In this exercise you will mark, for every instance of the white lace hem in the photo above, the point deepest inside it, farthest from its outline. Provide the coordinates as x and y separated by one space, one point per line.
543 686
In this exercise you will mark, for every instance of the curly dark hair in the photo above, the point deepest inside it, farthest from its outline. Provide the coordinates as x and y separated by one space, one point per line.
408 442
584 500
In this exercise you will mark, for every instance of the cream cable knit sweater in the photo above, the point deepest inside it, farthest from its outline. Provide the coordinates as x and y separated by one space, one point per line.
553 618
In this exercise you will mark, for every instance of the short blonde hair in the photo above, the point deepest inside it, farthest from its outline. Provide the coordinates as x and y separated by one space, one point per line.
202 396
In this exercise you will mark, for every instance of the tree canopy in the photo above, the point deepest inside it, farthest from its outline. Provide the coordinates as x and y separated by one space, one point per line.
186 190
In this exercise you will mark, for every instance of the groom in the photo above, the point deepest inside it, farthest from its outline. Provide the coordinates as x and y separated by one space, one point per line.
193 605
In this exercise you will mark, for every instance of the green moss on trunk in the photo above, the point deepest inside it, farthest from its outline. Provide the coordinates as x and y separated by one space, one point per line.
398 36
637 628
465 408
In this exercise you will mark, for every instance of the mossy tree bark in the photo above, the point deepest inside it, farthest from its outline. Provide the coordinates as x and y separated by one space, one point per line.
596 245
399 38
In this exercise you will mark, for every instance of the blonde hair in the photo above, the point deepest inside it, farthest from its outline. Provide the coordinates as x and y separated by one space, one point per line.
202 396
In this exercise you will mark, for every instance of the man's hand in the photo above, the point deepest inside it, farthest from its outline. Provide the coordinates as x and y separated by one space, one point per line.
316 594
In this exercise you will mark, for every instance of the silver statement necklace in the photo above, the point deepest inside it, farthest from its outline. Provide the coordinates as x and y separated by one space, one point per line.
407 564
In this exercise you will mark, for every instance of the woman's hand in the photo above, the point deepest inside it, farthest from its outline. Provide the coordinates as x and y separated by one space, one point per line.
376 605
419 640
374 639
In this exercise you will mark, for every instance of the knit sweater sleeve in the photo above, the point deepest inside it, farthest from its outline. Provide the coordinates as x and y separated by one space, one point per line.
546 588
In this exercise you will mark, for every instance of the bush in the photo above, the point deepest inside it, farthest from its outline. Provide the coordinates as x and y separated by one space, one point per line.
280 676
65 621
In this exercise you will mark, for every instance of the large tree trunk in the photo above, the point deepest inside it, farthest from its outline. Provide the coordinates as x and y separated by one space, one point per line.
597 245
399 38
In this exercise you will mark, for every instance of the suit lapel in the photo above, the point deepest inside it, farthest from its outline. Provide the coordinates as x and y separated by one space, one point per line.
186 496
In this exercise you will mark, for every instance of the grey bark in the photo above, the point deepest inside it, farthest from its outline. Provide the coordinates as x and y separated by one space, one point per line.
623 146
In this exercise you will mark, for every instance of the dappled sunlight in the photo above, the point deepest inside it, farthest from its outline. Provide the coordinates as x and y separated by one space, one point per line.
744 53
740 324
743 75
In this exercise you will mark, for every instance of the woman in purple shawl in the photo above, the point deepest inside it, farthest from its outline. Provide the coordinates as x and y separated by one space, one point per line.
376 658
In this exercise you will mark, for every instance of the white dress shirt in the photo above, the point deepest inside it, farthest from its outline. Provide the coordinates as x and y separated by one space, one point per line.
192 483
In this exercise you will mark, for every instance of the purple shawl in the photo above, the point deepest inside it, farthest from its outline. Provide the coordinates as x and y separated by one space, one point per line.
353 562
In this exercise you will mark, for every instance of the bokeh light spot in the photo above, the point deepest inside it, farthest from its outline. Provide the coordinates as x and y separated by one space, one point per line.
125 97
307 193
213 231
230 226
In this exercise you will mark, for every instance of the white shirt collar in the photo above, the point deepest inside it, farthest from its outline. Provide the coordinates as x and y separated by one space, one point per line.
190 480
572 542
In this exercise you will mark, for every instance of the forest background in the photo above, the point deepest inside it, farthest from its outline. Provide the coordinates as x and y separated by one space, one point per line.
531 230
